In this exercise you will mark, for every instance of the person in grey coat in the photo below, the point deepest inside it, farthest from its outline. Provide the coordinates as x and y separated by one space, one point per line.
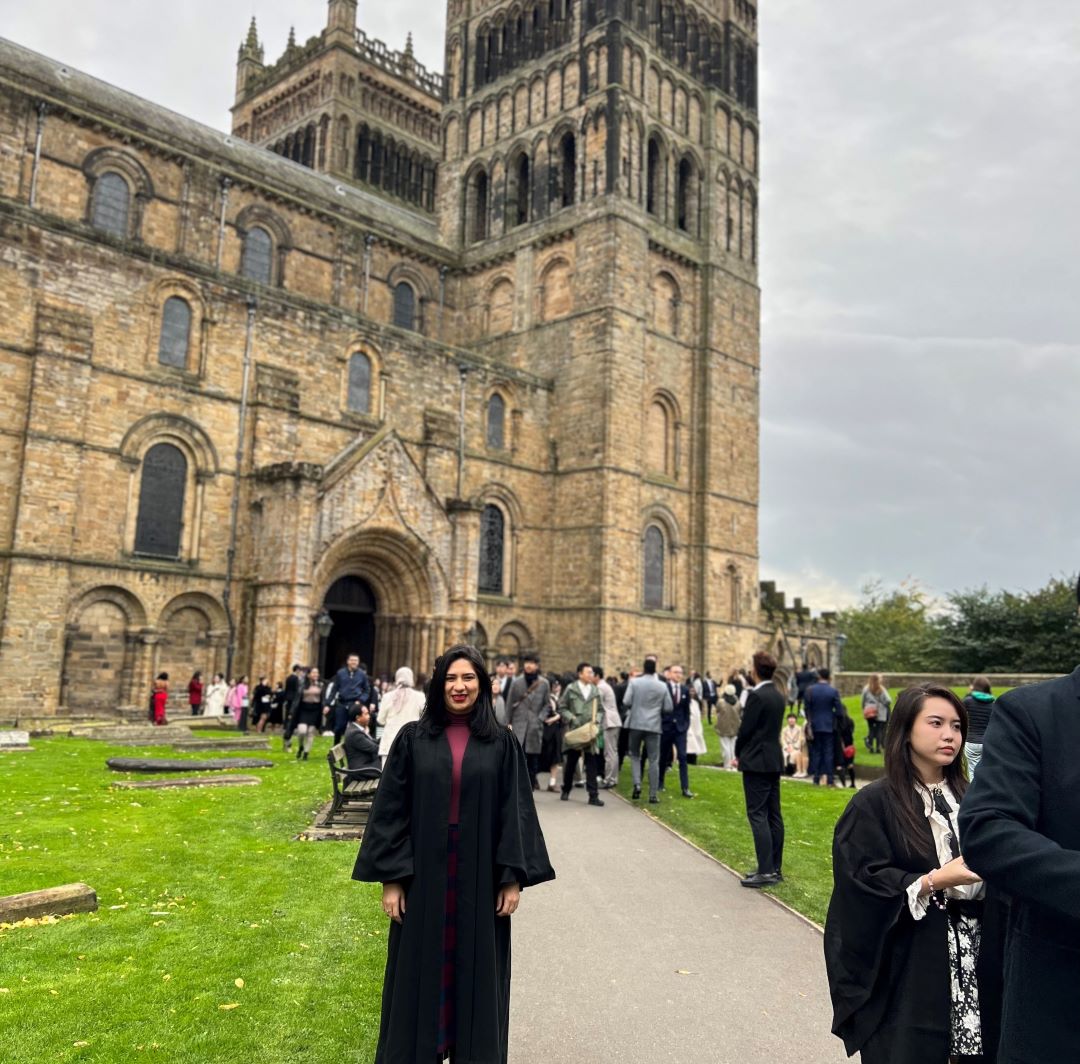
646 701
529 695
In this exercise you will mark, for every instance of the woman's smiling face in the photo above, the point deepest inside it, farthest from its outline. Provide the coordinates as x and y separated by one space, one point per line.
462 687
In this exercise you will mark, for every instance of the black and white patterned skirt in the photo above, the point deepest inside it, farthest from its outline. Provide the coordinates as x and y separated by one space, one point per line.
965 933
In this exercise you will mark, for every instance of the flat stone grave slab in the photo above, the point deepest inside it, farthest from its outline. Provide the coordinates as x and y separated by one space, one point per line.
254 743
56 901
14 740
135 734
169 764
325 830
188 781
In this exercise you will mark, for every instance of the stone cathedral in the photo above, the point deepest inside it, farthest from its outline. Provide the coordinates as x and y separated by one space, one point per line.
404 359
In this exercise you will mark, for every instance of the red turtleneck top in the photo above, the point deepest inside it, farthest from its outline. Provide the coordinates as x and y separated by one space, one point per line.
457 735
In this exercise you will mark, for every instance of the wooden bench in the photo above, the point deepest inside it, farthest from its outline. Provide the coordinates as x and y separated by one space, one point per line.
354 789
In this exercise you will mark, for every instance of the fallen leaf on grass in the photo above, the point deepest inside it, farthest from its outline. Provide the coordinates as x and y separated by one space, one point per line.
79 1045
233 1005
166 978
4 990
239 984
158 923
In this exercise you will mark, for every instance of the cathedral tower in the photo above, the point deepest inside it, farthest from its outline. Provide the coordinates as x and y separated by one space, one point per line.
600 177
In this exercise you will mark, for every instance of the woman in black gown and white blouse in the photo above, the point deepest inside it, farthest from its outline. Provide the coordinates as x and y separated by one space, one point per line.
902 937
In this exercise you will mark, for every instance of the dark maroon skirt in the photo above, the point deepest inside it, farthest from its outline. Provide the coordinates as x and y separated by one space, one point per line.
447 1026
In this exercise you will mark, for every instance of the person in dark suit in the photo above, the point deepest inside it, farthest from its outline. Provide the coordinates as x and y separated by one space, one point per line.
361 750
761 761
675 725
294 684
1020 822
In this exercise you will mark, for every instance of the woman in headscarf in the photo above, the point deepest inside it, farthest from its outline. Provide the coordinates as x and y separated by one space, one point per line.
399 705
453 837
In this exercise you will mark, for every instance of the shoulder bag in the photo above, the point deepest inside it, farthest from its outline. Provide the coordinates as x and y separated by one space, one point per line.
584 734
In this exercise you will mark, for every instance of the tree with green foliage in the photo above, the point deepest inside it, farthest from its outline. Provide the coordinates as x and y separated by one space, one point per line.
892 631
1005 631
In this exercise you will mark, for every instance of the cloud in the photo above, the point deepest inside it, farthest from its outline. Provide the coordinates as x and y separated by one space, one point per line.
919 263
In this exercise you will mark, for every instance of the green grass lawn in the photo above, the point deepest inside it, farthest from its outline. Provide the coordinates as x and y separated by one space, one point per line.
198 889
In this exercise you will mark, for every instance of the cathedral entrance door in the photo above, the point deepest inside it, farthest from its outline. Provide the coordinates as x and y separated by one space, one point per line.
352 606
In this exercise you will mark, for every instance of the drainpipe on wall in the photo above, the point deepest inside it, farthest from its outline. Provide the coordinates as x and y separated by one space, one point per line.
234 508
442 297
464 372
42 111
369 243
225 183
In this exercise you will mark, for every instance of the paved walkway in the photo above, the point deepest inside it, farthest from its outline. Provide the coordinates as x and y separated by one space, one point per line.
597 955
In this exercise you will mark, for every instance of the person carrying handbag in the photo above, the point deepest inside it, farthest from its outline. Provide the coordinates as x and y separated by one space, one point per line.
579 708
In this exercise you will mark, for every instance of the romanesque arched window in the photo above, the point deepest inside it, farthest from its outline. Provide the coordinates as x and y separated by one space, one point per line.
404 306
686 197
162 485
257 258
479 204
567 170
653 179
359 394
520 190
496 421
111 206
652 564
175 339
492 550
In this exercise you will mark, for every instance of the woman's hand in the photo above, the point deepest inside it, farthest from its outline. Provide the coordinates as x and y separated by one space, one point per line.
393 901
508 900
954 874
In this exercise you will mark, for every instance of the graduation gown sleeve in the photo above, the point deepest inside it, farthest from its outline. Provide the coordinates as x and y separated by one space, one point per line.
386 852
885 970
520 854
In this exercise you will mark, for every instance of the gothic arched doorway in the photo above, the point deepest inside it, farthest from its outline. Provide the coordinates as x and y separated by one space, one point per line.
352 606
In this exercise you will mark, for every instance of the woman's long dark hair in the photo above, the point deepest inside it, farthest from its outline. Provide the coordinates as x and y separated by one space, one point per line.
436 716
902 779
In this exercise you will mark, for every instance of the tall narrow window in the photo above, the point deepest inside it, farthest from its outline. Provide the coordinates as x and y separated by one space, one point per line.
359 398
161 502
480 211
519 200
567 171
652 192
112 204
404 306
653 568
175 338
684 196
256 262
492 550
496 422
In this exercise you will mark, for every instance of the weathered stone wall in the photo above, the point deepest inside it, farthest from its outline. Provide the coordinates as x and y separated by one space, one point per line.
624 349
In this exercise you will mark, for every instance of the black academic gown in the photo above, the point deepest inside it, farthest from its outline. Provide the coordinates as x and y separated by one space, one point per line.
405 841
888 973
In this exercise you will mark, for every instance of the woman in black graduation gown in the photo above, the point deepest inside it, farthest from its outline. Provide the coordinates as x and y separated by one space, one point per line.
453 836
902 937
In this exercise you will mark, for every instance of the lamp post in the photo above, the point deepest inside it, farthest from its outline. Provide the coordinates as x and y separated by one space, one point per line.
323 624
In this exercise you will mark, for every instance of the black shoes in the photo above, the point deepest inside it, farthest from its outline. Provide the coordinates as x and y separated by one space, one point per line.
564 796
688 794
654 799
594 800
637 793
762 879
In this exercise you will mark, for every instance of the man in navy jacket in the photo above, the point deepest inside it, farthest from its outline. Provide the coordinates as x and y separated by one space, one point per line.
675 727
822 705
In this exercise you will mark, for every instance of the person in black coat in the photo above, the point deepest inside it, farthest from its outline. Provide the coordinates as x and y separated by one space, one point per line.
908 981
844 752
760 759
361 750
1021 828
453 818
675 726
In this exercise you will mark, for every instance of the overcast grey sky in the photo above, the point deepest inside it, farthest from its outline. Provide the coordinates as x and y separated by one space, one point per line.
920 249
